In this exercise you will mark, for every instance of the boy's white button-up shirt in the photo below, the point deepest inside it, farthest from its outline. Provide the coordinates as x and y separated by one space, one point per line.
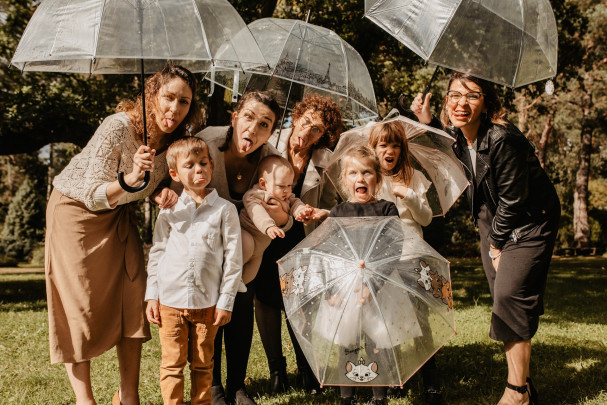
196 258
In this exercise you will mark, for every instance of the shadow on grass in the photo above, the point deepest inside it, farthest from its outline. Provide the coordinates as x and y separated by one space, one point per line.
476 374
22 292
575 289
259 389
479 371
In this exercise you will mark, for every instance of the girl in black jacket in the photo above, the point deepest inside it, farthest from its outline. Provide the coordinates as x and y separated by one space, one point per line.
516 209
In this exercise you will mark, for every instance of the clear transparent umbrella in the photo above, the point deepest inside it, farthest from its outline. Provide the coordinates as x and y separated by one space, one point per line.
304 58
369 300
513 43
135 36
113 36
432 155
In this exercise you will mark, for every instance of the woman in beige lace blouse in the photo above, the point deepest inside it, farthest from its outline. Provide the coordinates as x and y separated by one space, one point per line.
95 275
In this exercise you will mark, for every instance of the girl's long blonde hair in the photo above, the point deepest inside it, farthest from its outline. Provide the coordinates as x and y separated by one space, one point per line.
393 132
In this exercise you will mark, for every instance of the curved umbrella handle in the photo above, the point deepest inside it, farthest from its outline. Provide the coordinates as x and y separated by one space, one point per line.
126 187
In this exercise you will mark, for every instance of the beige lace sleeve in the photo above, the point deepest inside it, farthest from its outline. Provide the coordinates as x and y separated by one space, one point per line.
109 151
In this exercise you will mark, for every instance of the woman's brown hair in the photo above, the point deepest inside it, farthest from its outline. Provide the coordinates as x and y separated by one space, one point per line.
329 113
393 132
492 103
265 97
153 84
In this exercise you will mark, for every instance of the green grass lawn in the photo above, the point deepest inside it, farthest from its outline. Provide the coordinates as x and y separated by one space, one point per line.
569 360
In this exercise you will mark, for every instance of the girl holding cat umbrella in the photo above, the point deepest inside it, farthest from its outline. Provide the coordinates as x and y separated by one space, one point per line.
361 177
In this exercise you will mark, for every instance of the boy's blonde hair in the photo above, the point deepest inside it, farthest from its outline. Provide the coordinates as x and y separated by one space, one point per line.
394 132
270 163
360 152
183 147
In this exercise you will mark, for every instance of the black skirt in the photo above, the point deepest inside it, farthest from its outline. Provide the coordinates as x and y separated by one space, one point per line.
517 288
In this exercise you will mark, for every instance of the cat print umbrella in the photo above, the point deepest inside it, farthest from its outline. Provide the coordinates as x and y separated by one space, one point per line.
369 300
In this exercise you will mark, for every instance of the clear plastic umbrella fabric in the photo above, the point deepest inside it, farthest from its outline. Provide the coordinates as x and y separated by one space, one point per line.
513 43
432 155
112 36
304 58
369 301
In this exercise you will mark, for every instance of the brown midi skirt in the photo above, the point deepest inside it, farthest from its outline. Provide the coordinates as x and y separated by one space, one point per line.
95 279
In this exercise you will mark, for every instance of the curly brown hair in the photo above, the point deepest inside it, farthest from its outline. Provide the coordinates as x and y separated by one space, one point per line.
153 84
329 113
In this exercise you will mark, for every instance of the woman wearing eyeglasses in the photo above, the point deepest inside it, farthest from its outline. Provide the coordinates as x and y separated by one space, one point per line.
316 126
516 209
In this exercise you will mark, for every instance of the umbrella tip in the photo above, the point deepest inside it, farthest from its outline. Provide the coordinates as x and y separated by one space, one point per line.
361 264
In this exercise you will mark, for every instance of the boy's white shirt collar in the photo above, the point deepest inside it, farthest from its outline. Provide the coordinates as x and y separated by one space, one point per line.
210 198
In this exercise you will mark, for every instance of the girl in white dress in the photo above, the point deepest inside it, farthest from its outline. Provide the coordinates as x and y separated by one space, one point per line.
402 183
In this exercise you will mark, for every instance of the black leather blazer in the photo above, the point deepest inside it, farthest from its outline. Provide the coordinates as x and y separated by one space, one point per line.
509 180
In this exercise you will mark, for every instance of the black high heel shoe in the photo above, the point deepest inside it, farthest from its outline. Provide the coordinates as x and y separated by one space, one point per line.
533 397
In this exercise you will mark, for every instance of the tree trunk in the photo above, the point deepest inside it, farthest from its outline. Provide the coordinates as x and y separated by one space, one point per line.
541 153
581 228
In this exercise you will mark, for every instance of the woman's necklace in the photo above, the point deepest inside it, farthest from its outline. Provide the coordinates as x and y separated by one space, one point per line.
239 170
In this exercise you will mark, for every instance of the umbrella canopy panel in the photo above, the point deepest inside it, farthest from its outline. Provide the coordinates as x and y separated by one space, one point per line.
406 317
507 42
305 58
112 36
432 155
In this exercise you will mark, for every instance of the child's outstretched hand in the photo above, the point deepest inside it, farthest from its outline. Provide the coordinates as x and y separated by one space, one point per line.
311 214
275 231
152 312
222 317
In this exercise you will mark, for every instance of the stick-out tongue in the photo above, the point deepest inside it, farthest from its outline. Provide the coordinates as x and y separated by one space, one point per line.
245 145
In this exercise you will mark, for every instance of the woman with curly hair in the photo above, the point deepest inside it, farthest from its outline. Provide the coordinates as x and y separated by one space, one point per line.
316 126
95 274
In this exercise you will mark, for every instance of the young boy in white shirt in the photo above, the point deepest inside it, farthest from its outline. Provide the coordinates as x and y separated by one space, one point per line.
194 270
